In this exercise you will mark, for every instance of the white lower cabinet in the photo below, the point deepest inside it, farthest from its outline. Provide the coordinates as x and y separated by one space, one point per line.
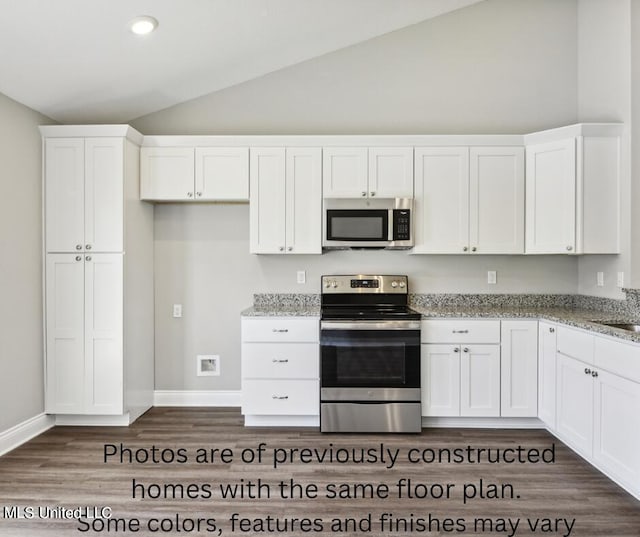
547 374
597 410
84 334
460 368
519 368
280 369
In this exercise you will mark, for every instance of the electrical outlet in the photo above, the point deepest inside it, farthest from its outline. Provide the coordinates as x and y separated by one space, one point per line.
620 281
177 310
492 277
600 279
301 276
208 365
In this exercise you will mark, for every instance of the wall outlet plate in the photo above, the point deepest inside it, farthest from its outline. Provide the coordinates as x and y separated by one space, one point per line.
600 279
301 276
208 365
620 280
177 311
492 277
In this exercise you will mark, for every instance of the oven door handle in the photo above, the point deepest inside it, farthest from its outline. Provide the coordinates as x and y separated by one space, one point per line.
369 325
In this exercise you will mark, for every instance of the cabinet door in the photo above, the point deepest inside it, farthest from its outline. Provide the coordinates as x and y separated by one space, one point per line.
391 172
65 333
267 200
304 201
440 372
441 204
103 194
616 445
64 194
167 173
519 369
222 173
103 326
547 374
574 399
551 198
344 172
496 200
480 380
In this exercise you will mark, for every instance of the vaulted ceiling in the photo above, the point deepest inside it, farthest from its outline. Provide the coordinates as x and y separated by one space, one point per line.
77 62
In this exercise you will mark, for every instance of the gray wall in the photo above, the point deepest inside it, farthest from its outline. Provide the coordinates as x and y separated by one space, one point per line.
21 352
500 66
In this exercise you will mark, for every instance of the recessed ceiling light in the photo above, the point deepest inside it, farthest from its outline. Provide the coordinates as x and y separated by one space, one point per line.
143 25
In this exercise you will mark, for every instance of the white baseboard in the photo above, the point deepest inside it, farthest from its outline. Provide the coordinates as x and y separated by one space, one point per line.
483 423
80 420
231 398
25 431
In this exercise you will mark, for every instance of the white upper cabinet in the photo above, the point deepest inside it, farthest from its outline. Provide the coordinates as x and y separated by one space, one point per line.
496 200
201 173
167 173
469 200
84 194
286 199
391 172
573 190
441 205
358 172
345 172
222 173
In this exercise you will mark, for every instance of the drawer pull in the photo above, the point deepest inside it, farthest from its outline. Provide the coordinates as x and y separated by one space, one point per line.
280 397
460 331
276 361
280 330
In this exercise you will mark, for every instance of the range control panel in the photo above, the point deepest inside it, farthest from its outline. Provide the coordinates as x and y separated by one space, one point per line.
365 284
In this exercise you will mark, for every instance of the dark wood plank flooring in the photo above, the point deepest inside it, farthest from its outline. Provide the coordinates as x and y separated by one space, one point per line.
64 467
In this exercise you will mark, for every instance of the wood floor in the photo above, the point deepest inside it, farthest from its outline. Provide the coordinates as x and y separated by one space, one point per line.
64 467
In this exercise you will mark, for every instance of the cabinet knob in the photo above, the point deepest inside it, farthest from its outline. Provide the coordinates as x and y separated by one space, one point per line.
552 329
78 246
290 249
78 258
364 194
569 248
473 249
466 349
457 349
88 258
88 247
587 371
372 194
190 194
464 248
594 373
281 248
199 194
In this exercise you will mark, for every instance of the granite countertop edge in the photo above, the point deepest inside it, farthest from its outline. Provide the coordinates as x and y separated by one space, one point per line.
579 318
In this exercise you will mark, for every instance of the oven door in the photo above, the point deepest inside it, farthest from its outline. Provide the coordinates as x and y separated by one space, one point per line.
370 360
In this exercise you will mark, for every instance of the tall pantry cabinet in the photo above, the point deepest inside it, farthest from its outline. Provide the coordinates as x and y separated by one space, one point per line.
98 248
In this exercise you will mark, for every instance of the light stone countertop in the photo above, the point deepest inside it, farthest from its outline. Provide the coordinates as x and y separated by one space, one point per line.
577 317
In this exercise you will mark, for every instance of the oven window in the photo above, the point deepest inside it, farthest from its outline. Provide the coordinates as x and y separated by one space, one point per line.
362 358
370 366
358 225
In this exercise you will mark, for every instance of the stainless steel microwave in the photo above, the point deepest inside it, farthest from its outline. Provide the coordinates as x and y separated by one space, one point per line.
371 223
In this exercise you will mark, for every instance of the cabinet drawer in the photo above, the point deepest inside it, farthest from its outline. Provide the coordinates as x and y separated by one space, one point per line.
280 360
616 357
281 329
281 397
576 343
460 331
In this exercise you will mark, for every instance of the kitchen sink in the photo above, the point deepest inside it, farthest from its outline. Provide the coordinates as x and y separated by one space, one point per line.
632 327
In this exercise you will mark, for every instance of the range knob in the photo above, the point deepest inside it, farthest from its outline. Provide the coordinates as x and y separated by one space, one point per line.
402 285
394 284
334 284
327 284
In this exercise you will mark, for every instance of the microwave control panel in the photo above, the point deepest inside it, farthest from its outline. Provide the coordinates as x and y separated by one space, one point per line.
401 225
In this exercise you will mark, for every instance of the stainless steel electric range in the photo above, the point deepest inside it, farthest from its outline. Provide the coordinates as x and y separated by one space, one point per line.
369 355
